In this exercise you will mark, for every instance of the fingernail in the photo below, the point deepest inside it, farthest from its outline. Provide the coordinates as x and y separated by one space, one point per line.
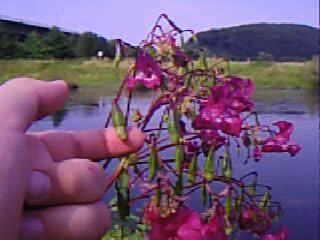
39 186
31 229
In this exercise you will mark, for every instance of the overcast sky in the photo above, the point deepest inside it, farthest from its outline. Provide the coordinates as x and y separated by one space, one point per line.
132 19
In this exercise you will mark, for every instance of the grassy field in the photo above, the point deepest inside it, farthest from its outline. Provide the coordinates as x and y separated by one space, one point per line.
82 72
101 73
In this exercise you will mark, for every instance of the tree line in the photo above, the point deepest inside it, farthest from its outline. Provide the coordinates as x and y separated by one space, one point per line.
54 44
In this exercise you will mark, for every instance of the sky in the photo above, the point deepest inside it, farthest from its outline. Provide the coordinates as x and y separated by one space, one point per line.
131 20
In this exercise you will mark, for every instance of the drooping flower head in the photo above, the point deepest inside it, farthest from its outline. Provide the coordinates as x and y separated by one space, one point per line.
279 141
147 72
282 234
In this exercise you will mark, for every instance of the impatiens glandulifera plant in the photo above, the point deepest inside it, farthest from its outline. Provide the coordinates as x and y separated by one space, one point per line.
199 117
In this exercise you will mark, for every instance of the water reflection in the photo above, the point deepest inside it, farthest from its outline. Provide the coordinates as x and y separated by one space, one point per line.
268 101
59 116
294 180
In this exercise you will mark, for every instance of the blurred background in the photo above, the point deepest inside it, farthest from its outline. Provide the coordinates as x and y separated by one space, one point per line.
285 33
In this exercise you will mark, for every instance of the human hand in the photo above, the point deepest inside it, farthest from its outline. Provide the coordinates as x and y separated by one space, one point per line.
50 172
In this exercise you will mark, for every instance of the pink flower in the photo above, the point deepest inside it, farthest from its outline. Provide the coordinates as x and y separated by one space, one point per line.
253 219
231 126
278 143
195 229
185 224
212 137
147 72
272 145
163 228
281 235
222 110
257 153
285 131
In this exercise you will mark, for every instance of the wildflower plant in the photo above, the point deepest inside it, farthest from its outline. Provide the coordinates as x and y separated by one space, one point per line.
199 116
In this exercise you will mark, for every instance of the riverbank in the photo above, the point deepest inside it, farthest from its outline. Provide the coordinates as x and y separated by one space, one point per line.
95 73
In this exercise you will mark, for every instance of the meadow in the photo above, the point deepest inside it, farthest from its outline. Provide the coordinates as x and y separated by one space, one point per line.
94 73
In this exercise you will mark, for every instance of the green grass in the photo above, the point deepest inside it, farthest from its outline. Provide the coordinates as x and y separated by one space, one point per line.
83 72
273 75
95 73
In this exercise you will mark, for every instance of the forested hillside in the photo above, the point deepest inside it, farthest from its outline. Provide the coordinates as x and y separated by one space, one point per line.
282 42
25 40
279 42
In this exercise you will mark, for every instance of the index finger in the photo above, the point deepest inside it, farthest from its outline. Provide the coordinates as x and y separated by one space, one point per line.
94 144
23 100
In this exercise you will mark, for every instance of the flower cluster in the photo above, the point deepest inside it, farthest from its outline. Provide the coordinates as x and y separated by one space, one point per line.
184 224
199 114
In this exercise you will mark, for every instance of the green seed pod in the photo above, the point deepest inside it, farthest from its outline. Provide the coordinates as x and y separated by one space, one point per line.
209 165
229 229
118 121
204 194
202 62
136 116
179 157
264 204
123 193
253 186
195 39
226 167
187 83
152 51
228 205
174 126
193 167
157 196
241 199
182 70
153 162
165 117
278 213
178 186
183 45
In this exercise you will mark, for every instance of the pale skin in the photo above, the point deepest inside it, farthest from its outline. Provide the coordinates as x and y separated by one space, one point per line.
50 188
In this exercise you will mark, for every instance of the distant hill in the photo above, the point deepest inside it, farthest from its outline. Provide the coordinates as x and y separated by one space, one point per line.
286 42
